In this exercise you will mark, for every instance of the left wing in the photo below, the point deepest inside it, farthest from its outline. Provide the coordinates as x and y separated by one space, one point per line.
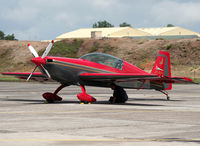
25 75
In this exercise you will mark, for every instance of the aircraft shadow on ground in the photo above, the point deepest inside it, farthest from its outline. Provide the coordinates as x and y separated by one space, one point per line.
127 104
30 101
25 100
153 99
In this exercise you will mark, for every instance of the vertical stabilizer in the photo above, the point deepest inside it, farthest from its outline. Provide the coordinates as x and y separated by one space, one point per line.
162 67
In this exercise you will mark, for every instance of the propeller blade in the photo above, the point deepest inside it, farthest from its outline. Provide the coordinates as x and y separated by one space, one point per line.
35 54
47 49
31 74
46 71
32 50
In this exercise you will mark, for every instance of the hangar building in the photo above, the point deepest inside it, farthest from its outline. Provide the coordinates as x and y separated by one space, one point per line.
112 32
119 32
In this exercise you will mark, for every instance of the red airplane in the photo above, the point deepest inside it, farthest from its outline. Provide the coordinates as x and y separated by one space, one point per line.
98 69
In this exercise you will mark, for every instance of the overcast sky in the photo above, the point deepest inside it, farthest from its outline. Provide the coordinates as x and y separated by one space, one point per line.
46 19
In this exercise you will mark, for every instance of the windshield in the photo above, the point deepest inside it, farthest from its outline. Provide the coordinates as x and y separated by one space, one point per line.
104 59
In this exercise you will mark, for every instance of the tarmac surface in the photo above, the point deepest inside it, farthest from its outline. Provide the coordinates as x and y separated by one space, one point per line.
146 119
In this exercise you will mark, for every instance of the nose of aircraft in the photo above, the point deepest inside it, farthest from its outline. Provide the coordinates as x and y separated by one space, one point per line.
38 61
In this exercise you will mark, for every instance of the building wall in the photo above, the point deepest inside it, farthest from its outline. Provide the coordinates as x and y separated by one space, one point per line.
96 34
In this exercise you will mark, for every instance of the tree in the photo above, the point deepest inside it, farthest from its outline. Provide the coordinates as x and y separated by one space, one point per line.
102 24
124 24
7 37
170 25
2 35
10 37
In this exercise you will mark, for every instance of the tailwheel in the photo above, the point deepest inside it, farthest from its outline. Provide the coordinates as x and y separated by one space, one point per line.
168 98
165 92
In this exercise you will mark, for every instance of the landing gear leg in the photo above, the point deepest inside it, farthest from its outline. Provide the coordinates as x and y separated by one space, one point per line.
84 97
52 97
166 93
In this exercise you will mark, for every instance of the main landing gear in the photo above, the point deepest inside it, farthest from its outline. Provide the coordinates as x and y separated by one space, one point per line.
166 93
52 97
83 97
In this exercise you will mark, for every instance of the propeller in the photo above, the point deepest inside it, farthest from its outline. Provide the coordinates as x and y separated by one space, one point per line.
32 50
31 73
46 52
35 54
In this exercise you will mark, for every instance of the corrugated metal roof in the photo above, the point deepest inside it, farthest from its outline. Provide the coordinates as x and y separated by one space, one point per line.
157 30
168 31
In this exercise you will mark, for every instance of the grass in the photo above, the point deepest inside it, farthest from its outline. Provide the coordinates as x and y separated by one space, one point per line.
95 47
196 80
65 49
10 79
168 47
107 48
93 50
160 38
5 58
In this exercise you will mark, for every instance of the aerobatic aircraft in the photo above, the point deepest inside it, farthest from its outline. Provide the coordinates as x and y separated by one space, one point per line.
99 69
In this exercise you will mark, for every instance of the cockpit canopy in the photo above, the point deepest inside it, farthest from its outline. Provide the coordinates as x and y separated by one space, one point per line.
104 59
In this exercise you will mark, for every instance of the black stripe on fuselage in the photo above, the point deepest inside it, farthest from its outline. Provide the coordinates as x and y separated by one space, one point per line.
80 67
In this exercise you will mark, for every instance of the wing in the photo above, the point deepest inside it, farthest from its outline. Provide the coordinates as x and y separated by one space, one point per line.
126 77
25 75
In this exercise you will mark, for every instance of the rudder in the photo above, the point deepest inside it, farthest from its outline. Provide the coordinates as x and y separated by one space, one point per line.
162 67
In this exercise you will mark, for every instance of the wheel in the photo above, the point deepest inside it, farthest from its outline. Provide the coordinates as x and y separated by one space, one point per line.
168 98
45 101
49 101
85 102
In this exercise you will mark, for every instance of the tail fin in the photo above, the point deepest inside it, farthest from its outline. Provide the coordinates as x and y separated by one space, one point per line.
162 67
